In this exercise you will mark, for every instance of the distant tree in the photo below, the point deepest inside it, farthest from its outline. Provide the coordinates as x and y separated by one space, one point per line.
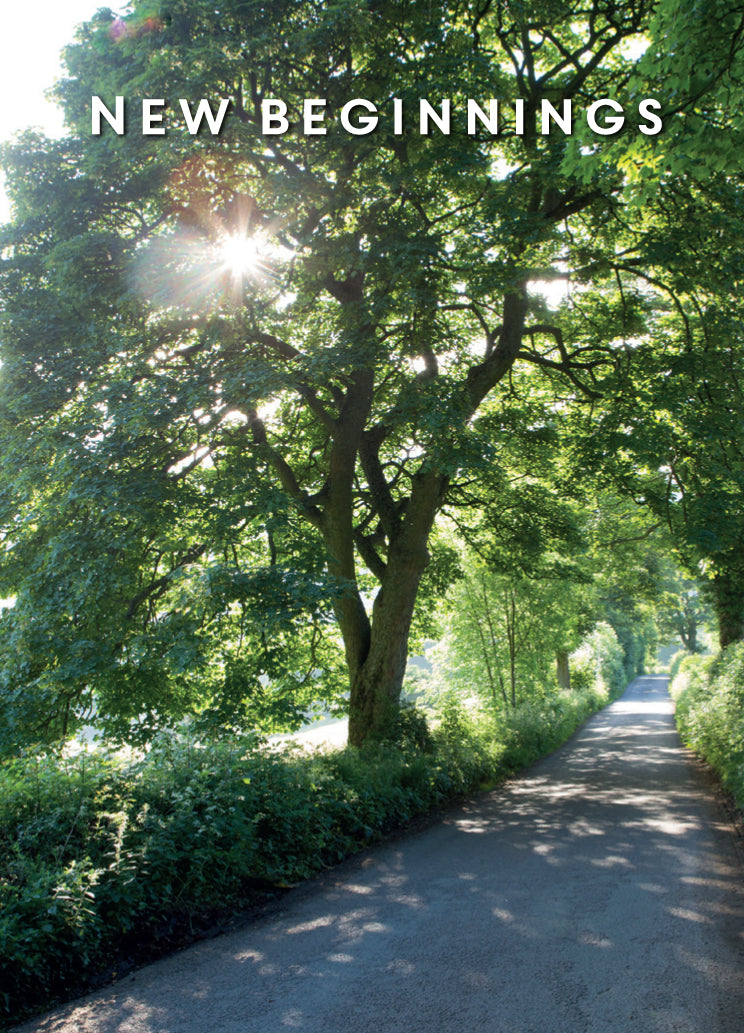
505 637
683 610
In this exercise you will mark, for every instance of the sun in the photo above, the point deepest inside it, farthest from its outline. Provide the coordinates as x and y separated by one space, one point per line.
240 255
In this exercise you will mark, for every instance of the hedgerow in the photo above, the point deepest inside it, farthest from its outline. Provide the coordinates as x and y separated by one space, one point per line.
97 854
709 694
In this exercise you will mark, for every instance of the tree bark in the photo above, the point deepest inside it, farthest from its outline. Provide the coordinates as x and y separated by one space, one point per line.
561 669
688 631
729 607
376 683
511 637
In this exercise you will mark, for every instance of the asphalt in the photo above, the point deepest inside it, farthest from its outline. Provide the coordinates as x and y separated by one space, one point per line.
602 890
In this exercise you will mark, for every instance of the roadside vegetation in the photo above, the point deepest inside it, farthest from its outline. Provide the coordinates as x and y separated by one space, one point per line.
709 694
100 856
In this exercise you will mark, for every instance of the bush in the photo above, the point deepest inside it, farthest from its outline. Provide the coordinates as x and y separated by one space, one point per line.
709 694
675 664
599 662
407 727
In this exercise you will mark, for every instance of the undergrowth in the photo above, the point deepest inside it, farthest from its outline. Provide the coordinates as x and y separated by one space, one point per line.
97 854
709 694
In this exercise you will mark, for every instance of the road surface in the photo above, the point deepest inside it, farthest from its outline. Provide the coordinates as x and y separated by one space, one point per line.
601 891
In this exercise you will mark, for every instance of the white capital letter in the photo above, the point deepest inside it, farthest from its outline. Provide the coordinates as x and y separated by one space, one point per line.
426 112
519 117
116 121
311 117
656 123
365 123
273 122
150 117
397 116
612 124
490 120
548 112
204 110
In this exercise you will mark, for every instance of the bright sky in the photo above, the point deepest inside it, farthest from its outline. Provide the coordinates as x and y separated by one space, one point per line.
32 35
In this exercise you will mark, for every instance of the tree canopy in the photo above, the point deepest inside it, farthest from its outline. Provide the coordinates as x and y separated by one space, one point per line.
243 373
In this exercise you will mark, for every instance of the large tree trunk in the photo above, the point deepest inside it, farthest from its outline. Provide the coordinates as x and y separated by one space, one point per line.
376 684
377 681
729 607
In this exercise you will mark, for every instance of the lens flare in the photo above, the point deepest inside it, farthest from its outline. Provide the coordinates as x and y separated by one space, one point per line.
240 255
193 271
132 29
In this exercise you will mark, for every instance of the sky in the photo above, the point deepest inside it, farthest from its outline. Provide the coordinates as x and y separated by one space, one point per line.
33 34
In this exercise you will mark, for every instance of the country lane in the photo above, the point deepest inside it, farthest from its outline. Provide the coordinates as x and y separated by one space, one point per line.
599 891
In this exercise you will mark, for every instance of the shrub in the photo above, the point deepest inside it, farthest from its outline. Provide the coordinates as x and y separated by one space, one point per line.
599 662
675 664
709 694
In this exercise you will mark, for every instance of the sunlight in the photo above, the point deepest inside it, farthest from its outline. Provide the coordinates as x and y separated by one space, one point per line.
197 271
553 292
240 255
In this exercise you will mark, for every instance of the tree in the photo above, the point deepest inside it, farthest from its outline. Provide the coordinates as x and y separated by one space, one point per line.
211 342
504 634
673 435
578 558
525 597
683 610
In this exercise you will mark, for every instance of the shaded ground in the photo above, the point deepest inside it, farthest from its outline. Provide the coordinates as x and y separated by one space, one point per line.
600 891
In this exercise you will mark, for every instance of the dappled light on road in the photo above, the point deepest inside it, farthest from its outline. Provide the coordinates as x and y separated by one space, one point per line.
599 891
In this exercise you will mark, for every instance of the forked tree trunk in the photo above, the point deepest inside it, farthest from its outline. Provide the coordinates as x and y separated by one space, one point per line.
376 681
376 684
376 652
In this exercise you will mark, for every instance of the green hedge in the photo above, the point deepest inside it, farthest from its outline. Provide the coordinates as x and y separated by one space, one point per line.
599 661
709 693
97 854
676 663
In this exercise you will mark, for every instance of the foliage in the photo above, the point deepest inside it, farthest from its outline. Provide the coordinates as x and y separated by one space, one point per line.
599 661
628 551
594 559
683 610
710 712
674 667
671 437
503 634
204 460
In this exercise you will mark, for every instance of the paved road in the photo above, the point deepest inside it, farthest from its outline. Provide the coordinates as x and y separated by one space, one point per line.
601 891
